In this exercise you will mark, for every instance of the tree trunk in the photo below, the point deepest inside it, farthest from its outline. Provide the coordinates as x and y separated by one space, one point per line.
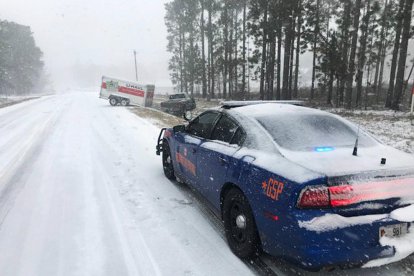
211 48
180 42
399 82
292 51
398 28
351 70
226 50
315 41
231 63
203 53
264 43
244 50
381 74
298 35
367 88
361 54
380 50
279 59
271 67
185 77
191 63
286 60
345 46
236 62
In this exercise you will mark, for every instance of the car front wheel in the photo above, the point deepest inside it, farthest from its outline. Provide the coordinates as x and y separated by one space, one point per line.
239 224
167 161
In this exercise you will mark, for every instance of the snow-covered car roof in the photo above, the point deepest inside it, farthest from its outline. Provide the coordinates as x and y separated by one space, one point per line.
269 109
277 118
315 139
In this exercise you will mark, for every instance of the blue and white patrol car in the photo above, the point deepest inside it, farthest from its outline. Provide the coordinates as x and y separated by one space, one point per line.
294 182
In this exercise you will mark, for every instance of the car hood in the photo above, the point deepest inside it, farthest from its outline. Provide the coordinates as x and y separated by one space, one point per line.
340 161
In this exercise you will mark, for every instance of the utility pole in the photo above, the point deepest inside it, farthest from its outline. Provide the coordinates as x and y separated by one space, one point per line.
136 69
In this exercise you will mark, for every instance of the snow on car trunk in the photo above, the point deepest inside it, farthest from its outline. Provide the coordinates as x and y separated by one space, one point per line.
340 161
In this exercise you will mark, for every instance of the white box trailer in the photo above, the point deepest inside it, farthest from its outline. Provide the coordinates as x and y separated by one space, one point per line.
126 92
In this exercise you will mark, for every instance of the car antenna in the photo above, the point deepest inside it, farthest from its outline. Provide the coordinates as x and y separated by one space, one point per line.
355 152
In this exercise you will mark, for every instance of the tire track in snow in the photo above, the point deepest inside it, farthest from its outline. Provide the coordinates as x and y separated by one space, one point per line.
26 154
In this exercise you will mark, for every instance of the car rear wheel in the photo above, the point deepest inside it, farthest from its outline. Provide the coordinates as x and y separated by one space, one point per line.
113 101
239 224
167 161
124 102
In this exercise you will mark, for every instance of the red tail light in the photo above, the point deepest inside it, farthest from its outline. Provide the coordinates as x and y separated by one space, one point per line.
344 195
314 197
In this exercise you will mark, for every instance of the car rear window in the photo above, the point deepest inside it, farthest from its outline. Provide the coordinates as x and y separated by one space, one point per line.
177 96
302 132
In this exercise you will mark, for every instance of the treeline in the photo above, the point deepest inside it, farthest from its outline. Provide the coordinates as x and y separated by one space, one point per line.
21 65
359 49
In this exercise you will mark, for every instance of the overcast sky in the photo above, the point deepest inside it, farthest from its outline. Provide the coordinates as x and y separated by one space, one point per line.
83 39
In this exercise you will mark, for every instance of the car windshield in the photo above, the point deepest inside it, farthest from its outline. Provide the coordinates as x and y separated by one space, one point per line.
312 132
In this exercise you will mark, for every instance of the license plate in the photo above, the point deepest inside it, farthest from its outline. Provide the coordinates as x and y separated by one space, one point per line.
395 230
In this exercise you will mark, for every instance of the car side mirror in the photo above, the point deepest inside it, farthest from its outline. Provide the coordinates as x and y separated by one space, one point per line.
188 116
179 128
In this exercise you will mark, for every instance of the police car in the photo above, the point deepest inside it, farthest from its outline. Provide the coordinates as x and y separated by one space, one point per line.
294 182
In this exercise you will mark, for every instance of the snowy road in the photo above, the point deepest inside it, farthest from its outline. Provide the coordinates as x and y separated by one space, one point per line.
82 192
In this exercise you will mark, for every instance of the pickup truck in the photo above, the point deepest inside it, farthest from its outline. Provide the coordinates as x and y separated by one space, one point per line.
178 104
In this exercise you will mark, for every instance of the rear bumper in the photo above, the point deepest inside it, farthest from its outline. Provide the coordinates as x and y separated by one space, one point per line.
314 258
351 246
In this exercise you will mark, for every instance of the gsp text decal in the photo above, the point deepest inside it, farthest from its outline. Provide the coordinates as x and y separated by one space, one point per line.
272 188
185 162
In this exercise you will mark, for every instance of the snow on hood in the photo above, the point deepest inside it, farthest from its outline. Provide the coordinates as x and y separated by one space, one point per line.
340 161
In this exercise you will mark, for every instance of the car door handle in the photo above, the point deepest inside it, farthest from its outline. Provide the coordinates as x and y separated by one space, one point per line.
223 161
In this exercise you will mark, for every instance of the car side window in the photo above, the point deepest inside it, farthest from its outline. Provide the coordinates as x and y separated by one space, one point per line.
202 125
239 137
224 130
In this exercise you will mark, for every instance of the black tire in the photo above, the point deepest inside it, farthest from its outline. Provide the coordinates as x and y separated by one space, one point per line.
113 101
167 161
240 226
124 102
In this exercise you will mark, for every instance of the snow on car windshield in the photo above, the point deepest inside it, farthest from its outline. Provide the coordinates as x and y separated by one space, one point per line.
312 132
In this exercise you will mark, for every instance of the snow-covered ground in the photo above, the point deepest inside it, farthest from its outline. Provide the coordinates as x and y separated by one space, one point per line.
82 192
7 101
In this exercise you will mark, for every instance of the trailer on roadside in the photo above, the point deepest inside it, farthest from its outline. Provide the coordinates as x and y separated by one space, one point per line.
126 92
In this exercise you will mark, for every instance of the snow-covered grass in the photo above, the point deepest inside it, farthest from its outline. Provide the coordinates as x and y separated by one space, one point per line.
392 128
7 101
